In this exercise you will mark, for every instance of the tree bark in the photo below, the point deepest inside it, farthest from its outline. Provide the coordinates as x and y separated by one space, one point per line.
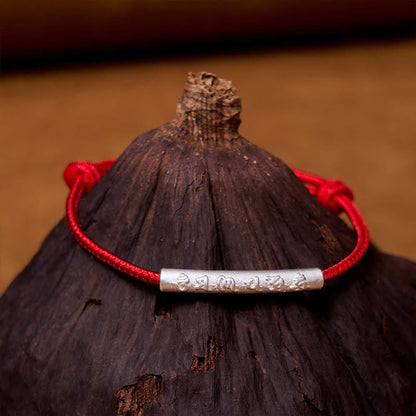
79 338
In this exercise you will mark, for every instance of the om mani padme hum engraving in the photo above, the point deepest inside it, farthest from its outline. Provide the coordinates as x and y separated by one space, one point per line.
233 281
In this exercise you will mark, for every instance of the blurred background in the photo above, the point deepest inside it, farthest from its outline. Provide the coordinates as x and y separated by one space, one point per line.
327 86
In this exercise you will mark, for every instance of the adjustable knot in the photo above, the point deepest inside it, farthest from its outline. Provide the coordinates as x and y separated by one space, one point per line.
327 192
87 171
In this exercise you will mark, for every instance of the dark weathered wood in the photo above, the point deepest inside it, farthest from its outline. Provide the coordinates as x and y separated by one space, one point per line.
78 338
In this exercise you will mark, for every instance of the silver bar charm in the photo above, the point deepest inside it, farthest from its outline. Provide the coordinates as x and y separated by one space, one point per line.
233 281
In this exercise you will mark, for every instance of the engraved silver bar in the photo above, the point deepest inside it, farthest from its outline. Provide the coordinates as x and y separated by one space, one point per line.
233 281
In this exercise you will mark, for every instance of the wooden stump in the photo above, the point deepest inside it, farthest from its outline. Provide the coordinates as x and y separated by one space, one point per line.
79 338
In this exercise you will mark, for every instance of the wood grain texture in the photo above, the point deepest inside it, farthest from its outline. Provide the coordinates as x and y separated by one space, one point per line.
77 337
340 112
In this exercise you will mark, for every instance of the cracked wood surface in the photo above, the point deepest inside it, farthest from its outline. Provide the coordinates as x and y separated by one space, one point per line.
77 337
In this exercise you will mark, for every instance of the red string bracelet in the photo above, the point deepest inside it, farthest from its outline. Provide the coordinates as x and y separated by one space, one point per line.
81 177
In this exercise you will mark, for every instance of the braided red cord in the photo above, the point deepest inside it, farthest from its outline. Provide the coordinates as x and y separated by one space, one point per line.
81 177
337 197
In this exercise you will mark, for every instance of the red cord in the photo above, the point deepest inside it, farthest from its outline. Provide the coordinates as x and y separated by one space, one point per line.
81 177
337 197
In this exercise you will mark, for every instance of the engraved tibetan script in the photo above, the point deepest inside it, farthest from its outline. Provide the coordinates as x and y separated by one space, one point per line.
229 281
183 282
226 283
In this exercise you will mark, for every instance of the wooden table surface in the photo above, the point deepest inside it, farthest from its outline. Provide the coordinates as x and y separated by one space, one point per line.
346 112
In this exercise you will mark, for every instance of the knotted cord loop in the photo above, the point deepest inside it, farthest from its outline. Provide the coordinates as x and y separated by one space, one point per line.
327 193
87 172
81 177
